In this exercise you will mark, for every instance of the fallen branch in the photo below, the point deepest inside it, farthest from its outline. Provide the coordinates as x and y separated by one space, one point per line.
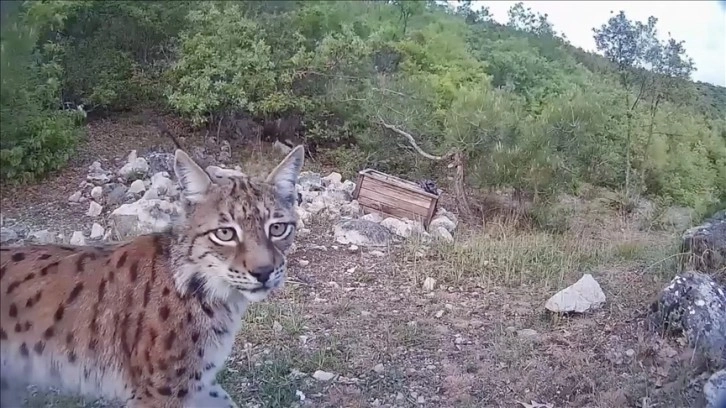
412 142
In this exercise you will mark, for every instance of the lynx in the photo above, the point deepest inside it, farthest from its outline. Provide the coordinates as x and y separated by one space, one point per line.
149 321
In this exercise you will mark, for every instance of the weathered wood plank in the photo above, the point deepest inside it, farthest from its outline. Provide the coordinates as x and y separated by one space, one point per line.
396 192
405 184
392 201
368 203
394 197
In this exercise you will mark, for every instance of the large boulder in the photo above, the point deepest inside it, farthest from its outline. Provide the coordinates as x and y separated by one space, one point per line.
362 233
705 246
144 216
694 305
715 390
581 296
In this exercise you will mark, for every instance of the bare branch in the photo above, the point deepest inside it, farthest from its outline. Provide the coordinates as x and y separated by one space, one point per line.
412 141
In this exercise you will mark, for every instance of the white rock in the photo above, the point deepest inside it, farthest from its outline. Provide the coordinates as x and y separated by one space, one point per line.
348 186
377 253
300 395
351 209
281 147
361 233
144 217
162 185
583 295
429 284
43 237
95 167
333 179
373 217
379 368
97 193
97 231
402 228
303 262
8 235
75 197
323 375
131 157
442 234
443 222
137 187
98 178
353 248
134 169
94 209
77 238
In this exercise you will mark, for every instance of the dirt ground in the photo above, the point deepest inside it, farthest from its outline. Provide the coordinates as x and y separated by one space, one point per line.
480 338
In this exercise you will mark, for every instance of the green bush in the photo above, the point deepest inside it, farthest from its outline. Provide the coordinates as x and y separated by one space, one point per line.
36 136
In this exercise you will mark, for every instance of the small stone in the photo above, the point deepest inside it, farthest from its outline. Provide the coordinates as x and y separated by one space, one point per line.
300 395
303 262
8 235
97 231
323 375
42 237
379 368
94 209
137 187
365 313
276 327
75 197
439 314
78 239
377 253
630 352
429 284
353 248
97 193
420 399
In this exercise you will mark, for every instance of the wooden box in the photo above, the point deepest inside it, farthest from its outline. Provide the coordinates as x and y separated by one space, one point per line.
394 197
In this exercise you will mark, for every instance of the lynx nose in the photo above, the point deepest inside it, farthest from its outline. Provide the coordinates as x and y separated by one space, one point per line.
262 273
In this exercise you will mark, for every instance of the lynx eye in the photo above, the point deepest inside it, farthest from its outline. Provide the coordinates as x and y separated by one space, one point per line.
224 234
280 229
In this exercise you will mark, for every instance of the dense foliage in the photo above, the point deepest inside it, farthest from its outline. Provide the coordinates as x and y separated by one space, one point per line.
524 107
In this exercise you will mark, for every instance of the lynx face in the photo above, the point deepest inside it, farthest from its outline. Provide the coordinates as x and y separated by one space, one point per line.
238 228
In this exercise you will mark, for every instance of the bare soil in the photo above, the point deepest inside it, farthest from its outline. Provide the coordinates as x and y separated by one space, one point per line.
481 338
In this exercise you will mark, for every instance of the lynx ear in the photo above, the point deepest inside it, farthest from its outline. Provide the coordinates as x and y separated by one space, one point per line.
284 176
194 181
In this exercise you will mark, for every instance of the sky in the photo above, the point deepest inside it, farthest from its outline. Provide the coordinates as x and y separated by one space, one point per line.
701 24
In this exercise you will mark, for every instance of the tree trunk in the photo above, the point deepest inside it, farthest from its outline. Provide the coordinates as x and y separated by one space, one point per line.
459 190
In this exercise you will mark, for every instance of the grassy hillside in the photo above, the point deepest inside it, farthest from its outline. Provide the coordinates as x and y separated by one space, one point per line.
523 107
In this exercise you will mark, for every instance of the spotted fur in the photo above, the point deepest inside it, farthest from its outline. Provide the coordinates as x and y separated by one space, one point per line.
152 320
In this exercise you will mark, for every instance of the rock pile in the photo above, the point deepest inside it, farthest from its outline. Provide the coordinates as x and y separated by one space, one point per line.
143 197
331 198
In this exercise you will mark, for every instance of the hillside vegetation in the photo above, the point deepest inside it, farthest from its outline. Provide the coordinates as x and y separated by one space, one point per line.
515 105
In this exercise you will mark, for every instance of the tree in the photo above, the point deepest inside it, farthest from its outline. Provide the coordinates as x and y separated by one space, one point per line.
627 44
669 67
527 20
408 8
